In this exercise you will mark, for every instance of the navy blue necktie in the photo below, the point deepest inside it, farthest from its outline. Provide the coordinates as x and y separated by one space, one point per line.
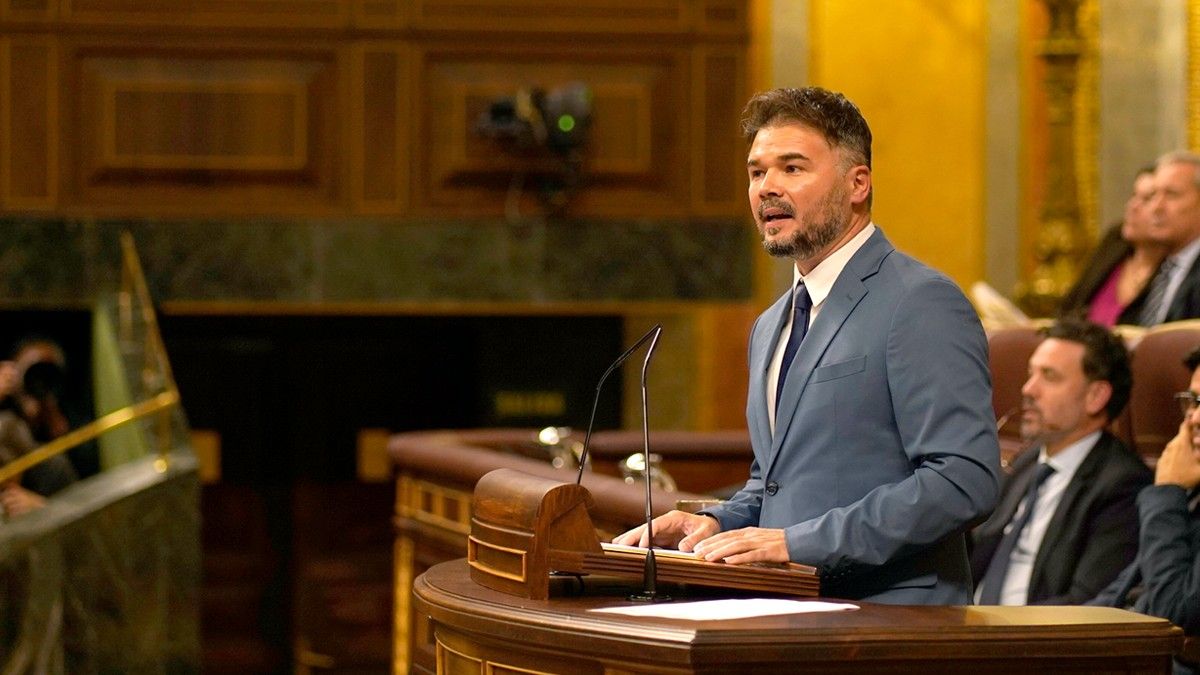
803 304
993 579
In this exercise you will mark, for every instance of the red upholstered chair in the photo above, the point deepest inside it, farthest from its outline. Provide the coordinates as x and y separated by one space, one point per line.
1009 350
1158 372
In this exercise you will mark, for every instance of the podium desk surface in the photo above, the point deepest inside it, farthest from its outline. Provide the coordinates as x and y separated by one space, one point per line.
474 626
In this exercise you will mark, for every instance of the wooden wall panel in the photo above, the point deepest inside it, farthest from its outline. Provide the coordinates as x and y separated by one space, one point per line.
720 89
27 9
199 129
232 13
381 144
215 107
724 17
382 13
635 135
27 115
555 16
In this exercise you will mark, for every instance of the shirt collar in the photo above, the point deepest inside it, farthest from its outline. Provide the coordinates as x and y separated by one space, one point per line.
1069 458
819 281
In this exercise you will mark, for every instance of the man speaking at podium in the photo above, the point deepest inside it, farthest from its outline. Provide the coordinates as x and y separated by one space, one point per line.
870 398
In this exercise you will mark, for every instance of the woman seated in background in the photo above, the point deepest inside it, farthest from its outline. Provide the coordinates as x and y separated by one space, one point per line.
1113 284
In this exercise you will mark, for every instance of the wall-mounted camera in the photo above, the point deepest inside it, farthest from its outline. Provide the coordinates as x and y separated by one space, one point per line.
554 122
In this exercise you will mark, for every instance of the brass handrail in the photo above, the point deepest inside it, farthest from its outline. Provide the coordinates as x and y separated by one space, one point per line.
90 431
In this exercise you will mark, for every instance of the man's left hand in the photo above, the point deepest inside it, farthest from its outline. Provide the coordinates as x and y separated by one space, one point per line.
1179 463
749 544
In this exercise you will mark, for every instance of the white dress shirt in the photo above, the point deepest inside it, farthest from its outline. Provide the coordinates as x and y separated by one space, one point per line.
1015 590
819 282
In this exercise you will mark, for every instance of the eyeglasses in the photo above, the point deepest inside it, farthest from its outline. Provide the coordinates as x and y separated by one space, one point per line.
1187 401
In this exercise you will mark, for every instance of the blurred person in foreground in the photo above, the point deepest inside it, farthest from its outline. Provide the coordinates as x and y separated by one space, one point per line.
31 415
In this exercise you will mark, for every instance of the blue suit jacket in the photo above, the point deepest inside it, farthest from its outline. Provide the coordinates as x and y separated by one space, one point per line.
885 448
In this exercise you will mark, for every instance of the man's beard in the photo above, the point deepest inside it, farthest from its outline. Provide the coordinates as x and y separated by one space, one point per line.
820 228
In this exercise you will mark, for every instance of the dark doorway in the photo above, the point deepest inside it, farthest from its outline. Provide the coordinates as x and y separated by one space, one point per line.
288 395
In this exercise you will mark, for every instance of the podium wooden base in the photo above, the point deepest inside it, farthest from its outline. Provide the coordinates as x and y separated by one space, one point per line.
478 629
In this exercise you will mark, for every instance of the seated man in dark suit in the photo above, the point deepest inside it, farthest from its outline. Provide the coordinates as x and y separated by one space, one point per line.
1164 580
1066 523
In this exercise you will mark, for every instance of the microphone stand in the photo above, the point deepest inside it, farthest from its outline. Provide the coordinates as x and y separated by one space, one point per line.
583 454
650 573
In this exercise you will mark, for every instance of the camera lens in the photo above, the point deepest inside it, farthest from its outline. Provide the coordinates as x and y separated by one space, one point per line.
43 379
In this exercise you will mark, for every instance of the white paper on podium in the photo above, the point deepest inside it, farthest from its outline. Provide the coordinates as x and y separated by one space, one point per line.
716 610
658 552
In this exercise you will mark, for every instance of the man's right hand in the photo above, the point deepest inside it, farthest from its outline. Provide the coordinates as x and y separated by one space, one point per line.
674 529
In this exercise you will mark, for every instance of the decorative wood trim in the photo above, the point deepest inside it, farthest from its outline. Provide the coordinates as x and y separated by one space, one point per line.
626 308
382 13
555 16
211 13
380 145
443 654
716 144
38 127
28 10
1193 73
5 119
402 552
112 157
1087 115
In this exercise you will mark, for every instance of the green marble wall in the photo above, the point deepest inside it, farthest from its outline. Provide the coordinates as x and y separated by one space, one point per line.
47 261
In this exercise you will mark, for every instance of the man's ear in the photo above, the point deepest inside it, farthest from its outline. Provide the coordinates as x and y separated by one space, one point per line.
860 183
1098 394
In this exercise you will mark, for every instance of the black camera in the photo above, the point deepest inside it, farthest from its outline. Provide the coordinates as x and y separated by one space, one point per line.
43 380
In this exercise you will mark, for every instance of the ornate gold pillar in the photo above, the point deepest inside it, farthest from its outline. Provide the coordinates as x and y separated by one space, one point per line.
1061 235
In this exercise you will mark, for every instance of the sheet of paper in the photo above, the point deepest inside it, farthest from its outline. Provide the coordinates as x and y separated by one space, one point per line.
658 552
739 608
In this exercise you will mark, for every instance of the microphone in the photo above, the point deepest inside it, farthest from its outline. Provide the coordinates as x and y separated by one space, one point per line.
652 333
650 573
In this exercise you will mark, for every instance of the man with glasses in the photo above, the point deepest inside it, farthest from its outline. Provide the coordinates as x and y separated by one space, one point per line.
1066 523
1164 580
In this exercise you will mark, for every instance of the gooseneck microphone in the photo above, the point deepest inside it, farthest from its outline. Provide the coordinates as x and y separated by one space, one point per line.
652 333
650 573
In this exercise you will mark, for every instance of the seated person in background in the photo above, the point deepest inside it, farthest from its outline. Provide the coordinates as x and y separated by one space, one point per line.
1066 523
1164 579
1174 293
1114 282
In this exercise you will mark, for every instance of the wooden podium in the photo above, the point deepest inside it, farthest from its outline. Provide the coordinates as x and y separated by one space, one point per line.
502 611
525 527
481 630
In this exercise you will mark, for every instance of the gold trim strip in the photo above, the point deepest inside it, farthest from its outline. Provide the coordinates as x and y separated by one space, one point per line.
473 560
89 431
1193 73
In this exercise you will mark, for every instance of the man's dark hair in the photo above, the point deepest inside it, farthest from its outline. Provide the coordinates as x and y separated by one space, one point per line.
830 113
1105 358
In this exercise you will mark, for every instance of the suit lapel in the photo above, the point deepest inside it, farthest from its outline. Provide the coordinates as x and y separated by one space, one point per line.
1084 476
766 341
1178 308
845 295
1023 471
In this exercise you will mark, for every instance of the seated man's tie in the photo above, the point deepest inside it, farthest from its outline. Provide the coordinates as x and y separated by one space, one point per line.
993 579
